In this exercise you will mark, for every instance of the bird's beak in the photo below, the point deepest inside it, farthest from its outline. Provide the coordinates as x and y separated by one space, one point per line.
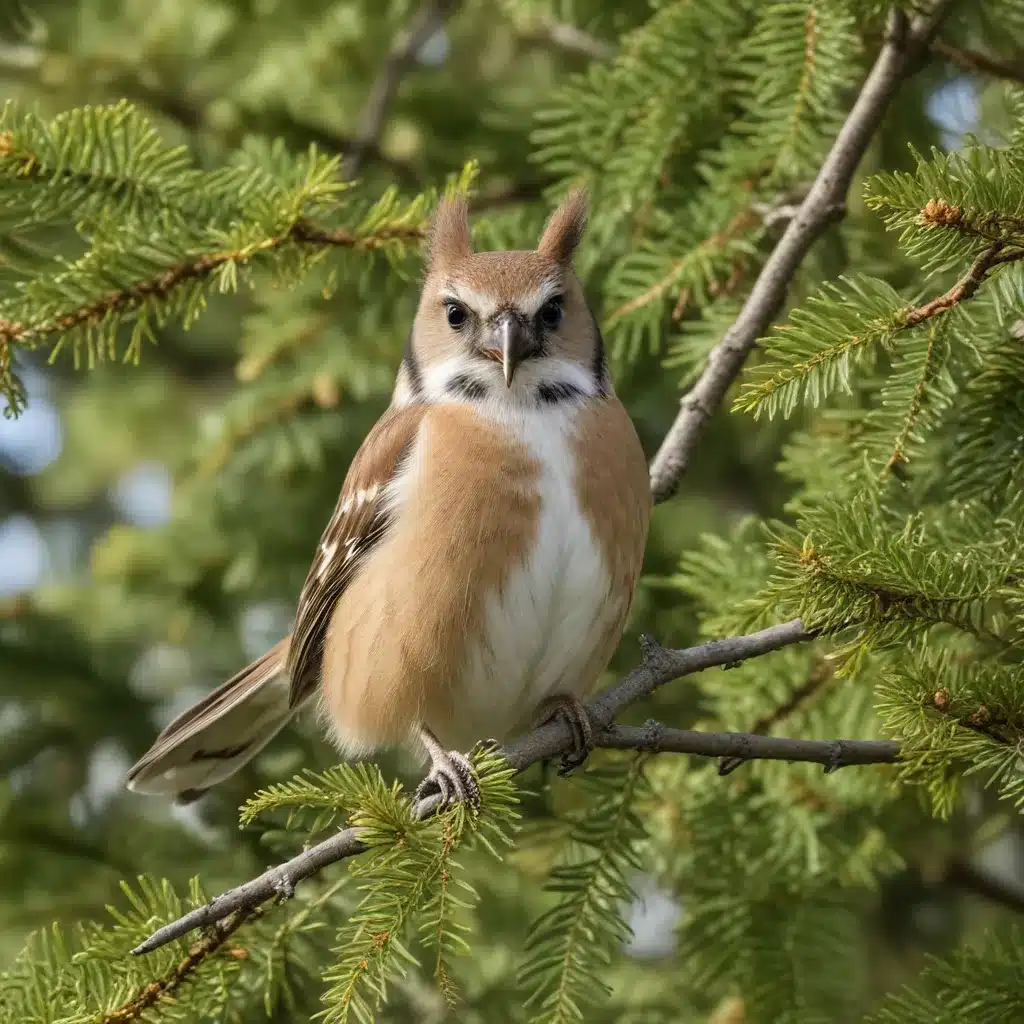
514 342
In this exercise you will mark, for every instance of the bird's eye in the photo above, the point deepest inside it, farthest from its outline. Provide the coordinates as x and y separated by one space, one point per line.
551 313
456 315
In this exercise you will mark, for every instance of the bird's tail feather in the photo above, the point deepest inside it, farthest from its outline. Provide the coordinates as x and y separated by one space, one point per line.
215 737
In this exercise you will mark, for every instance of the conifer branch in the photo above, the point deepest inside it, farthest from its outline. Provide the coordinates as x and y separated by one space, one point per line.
555 738
913 413
698 255
898 58
990 722
162 285
427 20
163 988
995 255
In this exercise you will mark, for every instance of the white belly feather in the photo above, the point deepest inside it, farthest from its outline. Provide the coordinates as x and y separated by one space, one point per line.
543 626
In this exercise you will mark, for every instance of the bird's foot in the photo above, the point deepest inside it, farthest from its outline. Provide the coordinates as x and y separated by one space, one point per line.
451 775
574 714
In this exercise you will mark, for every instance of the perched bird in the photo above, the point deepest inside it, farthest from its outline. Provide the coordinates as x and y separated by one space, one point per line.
479 567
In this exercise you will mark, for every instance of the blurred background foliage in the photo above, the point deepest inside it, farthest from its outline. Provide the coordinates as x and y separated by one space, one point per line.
157 520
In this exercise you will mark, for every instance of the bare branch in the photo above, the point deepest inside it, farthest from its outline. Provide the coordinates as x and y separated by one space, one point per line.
658 667
163 988
748 746
428 19
971 60
898 57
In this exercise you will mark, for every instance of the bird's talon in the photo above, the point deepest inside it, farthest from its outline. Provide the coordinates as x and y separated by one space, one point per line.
570 762
575 716
452 778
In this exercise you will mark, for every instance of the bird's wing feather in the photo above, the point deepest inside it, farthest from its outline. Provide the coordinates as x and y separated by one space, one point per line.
224 730
219 733
361 518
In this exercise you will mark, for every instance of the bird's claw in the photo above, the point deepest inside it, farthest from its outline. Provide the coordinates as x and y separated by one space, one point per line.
451 776
575 716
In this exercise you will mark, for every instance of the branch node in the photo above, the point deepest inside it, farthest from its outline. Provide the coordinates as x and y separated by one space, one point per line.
283 886
835 759
650 650
654 731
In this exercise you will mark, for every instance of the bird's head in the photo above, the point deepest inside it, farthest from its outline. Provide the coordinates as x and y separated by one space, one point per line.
513 326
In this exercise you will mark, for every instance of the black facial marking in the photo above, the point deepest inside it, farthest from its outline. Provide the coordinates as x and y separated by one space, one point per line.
557 392
412 367
600 365
464 386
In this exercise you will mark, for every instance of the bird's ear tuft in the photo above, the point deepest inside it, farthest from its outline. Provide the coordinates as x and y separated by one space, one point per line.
448 237
565 229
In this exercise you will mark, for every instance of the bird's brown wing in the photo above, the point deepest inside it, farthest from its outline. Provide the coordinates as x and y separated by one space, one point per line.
361 518
213 738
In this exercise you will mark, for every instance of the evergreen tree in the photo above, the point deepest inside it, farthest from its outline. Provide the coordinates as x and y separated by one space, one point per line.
791 234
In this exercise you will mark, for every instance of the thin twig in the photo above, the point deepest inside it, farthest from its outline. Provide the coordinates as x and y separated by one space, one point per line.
821 672
898 57
971 60
658 667
748 746
428 19
995 255
163 988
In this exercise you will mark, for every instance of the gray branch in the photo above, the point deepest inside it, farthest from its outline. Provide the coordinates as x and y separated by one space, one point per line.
428 19
898 58
657 667
748 746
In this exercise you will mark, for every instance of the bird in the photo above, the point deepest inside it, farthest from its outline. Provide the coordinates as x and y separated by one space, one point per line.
481 562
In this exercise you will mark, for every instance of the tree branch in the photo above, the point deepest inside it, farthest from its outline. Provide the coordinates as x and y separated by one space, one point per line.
971 60
428 19
163 284
995 255
657 667
748 746
163 988
903 46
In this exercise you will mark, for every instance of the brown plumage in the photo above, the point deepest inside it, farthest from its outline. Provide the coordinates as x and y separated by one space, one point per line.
481 560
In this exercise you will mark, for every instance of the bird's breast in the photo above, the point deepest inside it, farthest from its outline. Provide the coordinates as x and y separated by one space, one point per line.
550 608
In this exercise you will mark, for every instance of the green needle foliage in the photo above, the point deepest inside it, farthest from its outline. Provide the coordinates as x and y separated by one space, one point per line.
572 943
204 190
